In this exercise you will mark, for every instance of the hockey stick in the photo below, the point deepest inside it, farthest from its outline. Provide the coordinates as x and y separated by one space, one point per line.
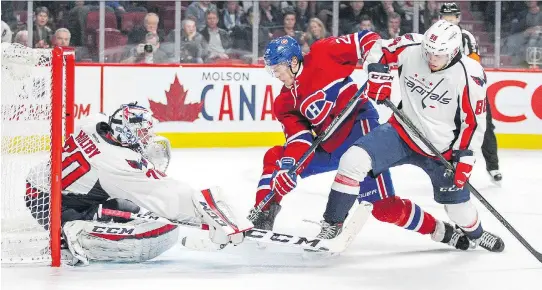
321 138
471 188
336 245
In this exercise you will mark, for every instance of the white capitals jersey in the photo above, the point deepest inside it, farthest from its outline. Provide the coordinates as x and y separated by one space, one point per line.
447 106
95 168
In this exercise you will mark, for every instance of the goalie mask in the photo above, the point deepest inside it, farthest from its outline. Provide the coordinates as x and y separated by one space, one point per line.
132 126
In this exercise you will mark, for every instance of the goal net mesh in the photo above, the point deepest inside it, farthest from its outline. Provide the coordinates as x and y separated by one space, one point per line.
26 144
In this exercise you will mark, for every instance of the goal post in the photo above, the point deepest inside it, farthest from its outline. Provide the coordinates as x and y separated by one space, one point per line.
37 114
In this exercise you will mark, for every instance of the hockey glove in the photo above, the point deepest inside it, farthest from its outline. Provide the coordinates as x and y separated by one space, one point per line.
379 82
282 182
464 161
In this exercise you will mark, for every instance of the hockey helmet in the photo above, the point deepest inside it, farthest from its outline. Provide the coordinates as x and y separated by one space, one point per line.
442 40
132 125
450 12
281 50
450 8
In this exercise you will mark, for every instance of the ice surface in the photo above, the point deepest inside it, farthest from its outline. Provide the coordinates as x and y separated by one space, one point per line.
382 256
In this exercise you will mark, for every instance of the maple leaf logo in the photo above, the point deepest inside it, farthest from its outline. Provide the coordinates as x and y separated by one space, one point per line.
175 108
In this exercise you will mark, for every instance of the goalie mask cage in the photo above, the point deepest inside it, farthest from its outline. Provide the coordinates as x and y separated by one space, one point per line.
37 113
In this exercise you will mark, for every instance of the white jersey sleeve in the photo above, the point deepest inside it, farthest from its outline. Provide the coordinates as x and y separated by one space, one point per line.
472 106
91 159
393 51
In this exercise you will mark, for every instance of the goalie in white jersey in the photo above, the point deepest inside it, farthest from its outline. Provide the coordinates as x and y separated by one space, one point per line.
119 164
443 93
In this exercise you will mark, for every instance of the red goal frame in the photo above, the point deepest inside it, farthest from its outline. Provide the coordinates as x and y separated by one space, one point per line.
62 92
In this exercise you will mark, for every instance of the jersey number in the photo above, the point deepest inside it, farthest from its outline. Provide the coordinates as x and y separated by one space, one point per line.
83 167
343 39
156 174
481 106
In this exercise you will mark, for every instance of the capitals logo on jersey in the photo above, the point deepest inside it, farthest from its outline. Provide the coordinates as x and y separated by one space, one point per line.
137 164
480 81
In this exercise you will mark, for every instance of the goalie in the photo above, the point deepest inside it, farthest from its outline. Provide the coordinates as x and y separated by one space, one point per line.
120 164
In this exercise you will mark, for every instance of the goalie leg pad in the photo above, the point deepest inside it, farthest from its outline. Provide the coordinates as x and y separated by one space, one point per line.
224 226
135 241
404 213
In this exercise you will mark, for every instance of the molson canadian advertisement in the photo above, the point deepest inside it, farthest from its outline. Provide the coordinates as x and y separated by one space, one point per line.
222 106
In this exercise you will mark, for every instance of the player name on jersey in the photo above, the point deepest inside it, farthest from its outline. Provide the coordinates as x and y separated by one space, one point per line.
86 144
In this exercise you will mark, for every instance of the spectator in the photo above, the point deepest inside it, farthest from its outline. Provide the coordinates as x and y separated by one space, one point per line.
115 5
217 39
230 16
430 13
76 18
6 33
197 10
366 23
381 14
193 46
406 10
350 17
529 21
316 31
242 35
303 15
42 34
62 37
394 27
289 27
150 25
21 38
269 15
148 51
527 32
8 15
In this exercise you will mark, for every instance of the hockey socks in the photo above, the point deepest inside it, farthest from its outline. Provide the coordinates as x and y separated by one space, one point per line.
338 205
465 216
404 213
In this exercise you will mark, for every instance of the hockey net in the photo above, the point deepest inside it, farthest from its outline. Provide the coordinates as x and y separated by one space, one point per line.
37 112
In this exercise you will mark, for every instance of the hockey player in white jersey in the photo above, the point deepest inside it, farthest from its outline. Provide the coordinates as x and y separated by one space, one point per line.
119 164
444 94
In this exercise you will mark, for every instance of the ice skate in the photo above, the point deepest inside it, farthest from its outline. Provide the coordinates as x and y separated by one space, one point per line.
489 241
265 220
445 233
496 176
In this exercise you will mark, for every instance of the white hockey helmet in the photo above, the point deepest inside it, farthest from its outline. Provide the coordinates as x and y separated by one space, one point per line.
132 125
442 39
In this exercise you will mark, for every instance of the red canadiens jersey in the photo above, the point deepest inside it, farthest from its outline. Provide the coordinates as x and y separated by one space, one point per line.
321 90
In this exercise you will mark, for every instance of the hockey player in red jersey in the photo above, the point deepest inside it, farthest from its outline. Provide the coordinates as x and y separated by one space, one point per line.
317 87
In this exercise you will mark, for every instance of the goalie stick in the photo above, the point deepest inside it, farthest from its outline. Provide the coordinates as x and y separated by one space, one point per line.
469 186
335 245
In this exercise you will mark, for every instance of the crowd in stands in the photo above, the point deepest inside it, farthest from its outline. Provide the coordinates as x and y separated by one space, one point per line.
221 31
